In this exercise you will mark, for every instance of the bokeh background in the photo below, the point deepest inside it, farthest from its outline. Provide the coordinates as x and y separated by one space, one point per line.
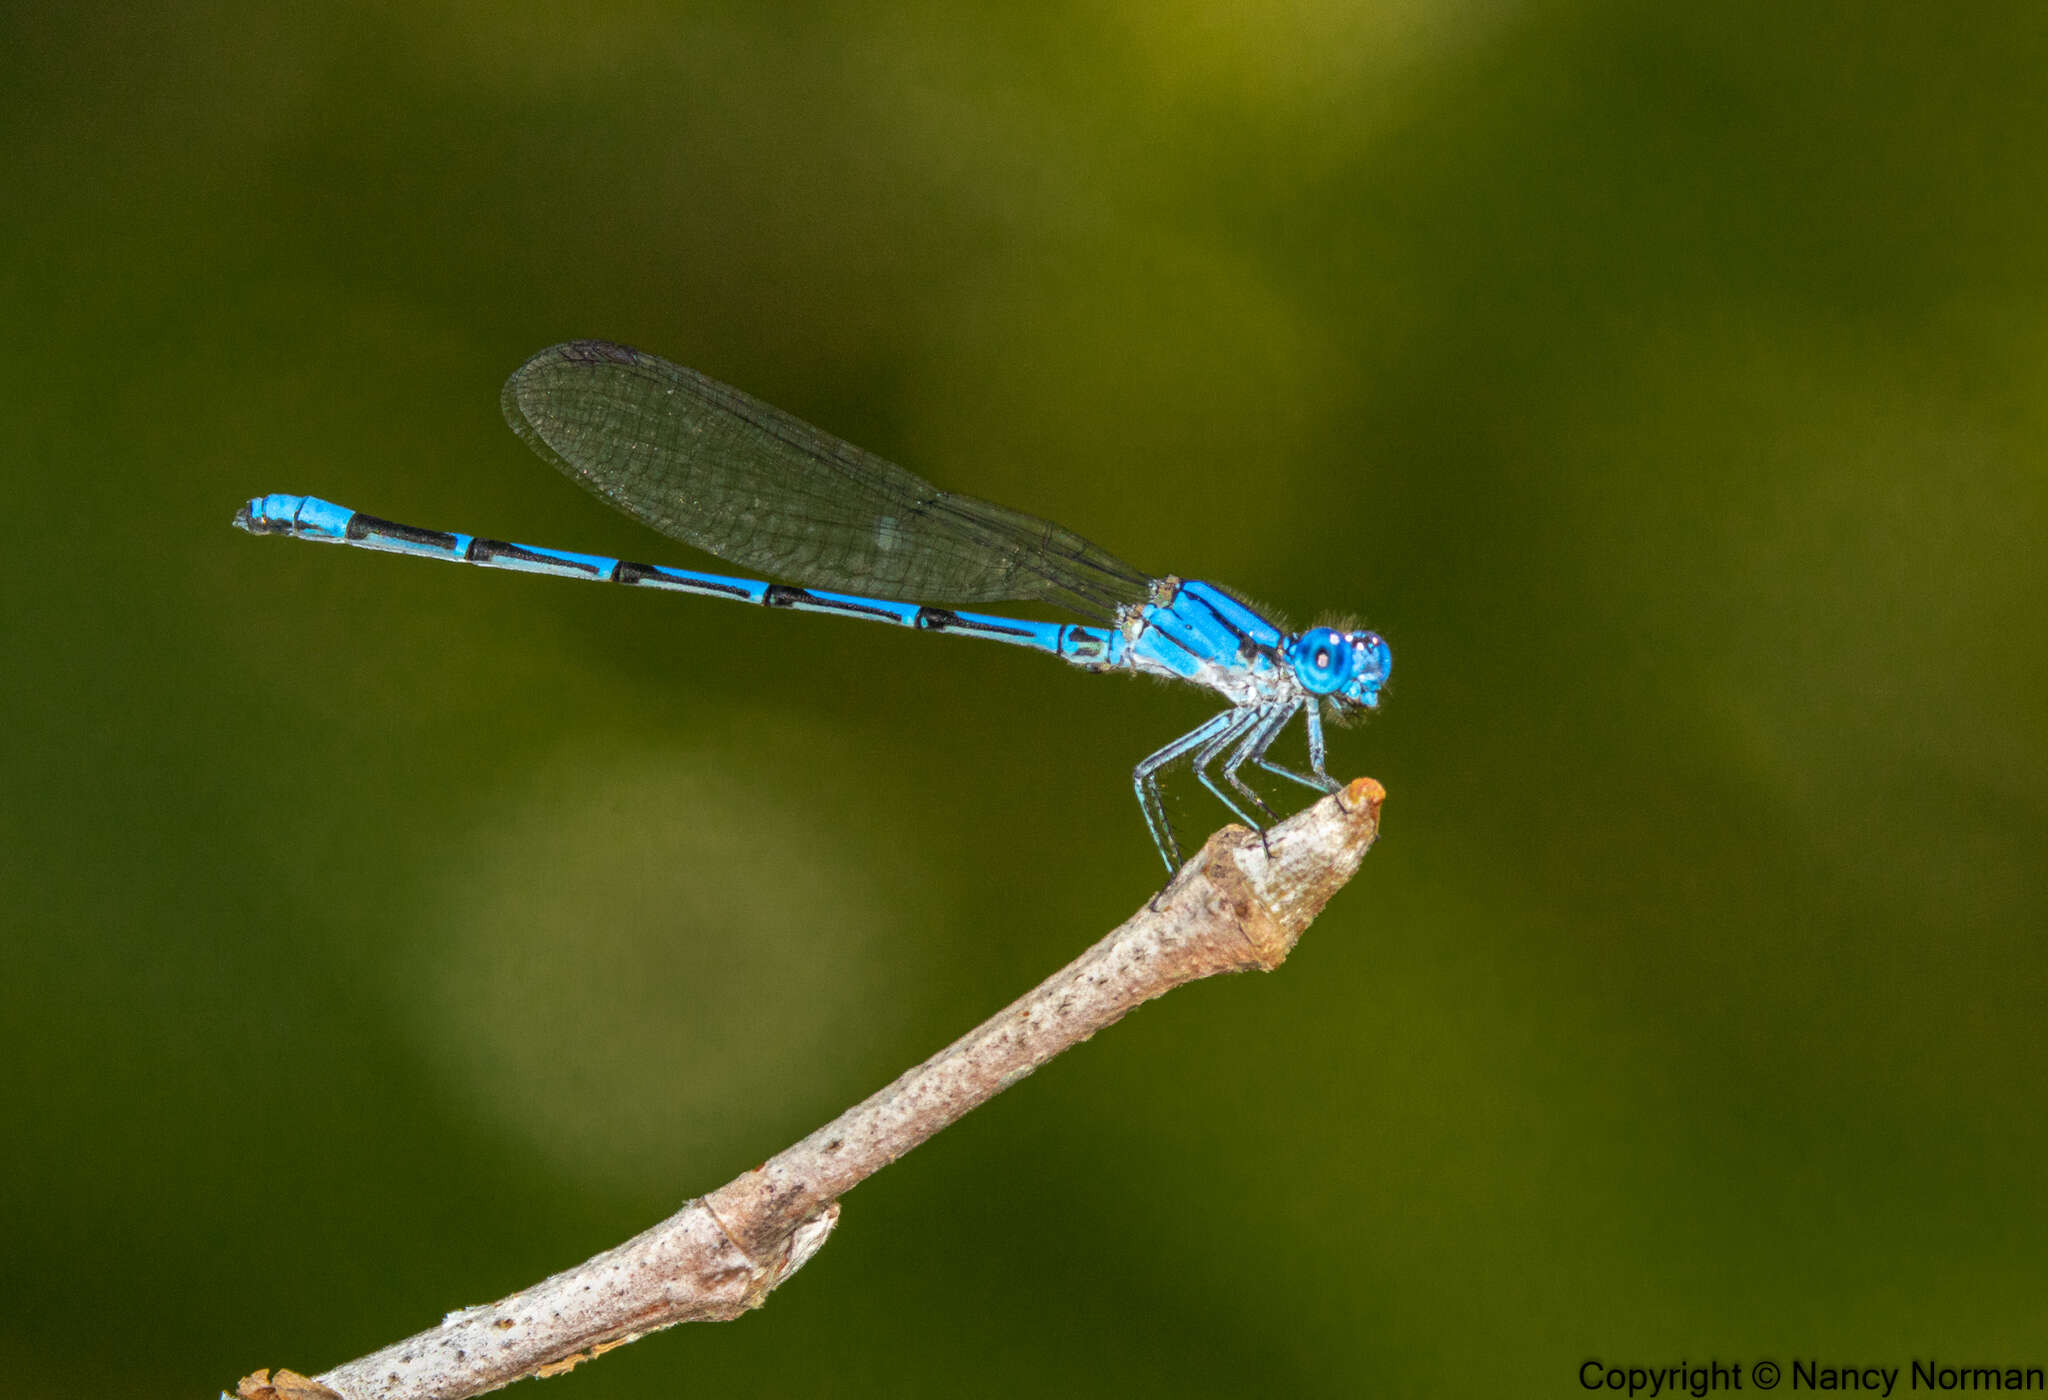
1668 383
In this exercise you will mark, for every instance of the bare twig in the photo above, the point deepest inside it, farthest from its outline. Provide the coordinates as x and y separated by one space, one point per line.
1240 904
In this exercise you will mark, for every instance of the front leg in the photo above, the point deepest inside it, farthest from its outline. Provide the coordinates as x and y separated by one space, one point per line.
1316 778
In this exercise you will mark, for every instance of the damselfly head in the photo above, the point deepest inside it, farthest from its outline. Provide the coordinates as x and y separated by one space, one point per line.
1347 668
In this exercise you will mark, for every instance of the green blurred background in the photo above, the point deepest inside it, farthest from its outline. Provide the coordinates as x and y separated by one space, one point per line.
1669 385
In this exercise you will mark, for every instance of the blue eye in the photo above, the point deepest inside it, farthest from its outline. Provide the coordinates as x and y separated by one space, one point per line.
1322 660
1373 664
1382 660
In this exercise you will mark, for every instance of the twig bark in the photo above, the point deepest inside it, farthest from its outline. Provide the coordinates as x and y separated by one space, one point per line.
1240 904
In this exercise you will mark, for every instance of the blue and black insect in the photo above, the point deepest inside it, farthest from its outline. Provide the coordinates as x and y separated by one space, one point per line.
857 536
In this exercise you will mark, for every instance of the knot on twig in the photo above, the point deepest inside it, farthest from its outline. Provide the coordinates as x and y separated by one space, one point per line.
286 1384
1272 886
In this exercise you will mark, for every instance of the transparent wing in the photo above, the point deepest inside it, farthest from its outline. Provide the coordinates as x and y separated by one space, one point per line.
721 471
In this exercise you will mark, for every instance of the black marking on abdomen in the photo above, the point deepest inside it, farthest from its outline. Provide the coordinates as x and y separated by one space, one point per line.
781 595
946 620
811 602
625 571
1081 645
361 527
483 551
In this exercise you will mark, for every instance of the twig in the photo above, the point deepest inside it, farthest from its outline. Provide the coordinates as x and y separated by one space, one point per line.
1240 904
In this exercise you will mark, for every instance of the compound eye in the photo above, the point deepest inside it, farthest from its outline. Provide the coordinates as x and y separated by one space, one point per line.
1323 660
1370 663
1374 660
